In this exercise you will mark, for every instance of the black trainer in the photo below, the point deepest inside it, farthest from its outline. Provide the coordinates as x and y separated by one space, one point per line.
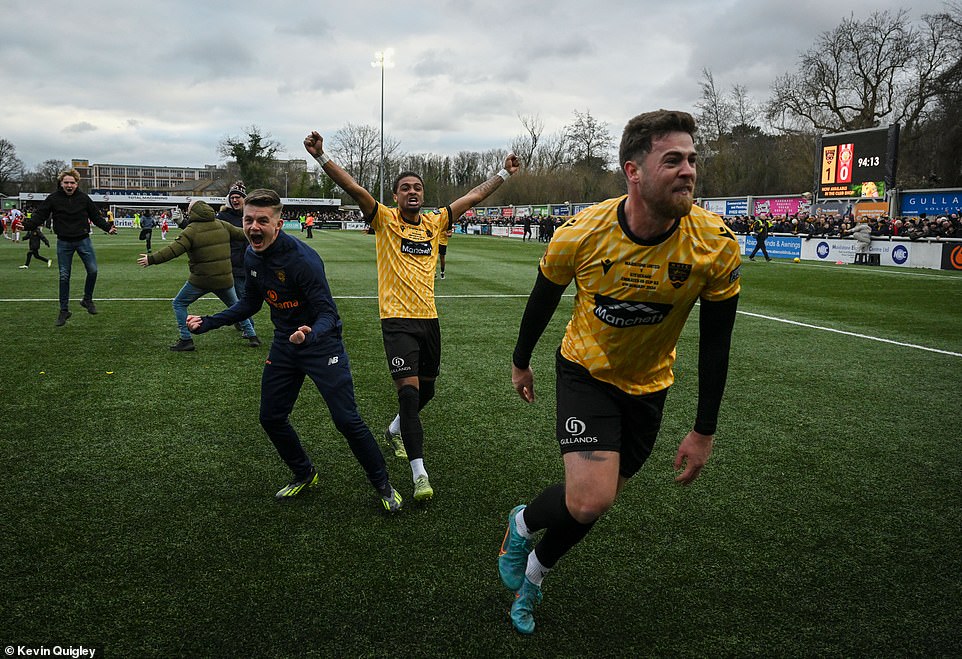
183 345
253 341
391 499
62 318
89 306
298 485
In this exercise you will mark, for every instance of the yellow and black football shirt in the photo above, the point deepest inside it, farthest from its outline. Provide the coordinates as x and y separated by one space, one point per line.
444 234
633 298
407 255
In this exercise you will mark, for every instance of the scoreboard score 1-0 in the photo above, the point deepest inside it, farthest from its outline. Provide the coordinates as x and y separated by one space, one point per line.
859 163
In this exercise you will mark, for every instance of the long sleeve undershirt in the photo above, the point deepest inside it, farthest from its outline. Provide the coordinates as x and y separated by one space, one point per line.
716 322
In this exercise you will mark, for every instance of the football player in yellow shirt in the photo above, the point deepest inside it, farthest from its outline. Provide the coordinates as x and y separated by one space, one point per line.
640 262
443 244
407 241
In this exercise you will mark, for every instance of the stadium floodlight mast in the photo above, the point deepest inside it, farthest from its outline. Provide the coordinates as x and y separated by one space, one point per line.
382 60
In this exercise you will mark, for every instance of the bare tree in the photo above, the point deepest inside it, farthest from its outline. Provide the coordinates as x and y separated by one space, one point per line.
589 141
931 155
358 150
491 161
861 74
745 110
11 167
949 81
466 168
525 146
44 177
715 116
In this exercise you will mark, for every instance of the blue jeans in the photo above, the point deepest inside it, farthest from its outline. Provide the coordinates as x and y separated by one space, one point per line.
190 294
65 252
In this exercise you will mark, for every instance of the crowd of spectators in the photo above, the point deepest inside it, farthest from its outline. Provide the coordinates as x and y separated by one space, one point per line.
299 214
819 225
911 227
809 226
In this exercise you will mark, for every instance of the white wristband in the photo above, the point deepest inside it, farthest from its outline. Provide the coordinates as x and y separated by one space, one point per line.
504 174
322 158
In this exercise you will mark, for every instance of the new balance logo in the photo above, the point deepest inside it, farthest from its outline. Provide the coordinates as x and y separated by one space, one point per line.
331 361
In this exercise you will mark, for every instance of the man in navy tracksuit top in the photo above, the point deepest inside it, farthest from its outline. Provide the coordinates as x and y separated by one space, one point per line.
307 341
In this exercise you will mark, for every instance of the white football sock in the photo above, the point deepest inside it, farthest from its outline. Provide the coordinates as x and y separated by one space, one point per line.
535 572
417 468
521 526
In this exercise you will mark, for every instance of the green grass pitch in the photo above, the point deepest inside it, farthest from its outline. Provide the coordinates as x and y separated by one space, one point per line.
136 485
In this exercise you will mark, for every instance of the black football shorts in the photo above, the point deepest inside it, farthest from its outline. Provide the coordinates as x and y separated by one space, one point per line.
412 346
597 416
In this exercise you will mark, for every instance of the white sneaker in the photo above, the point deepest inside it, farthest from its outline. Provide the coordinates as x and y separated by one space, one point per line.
23 267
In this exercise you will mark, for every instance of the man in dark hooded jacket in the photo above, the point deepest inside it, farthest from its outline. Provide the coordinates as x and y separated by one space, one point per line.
233 213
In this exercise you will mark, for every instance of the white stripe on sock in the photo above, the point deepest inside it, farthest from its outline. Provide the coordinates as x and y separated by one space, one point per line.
535 572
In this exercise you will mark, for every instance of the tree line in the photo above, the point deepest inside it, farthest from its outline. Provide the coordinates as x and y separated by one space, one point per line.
866 72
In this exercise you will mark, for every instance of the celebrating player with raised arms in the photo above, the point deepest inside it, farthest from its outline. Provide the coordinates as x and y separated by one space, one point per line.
407 253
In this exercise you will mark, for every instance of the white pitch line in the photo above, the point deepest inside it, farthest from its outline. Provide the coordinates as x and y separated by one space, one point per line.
855 334
520 295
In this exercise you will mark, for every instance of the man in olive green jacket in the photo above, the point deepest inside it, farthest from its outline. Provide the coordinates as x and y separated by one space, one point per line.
206 241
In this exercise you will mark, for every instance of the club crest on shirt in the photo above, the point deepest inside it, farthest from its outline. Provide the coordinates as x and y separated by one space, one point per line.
282 276
678 273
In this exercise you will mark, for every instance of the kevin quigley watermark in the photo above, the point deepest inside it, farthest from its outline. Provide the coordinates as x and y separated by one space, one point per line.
74 651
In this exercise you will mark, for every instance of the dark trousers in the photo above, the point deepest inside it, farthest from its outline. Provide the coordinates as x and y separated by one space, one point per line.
287 365
146 234
759 244
35 253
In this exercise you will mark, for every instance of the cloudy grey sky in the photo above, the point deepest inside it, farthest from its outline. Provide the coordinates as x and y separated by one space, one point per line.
162 83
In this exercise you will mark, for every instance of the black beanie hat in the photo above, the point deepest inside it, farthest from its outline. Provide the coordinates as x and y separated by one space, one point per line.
237 188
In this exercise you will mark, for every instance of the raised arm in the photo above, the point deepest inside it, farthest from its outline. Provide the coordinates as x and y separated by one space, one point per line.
314 144
475 196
